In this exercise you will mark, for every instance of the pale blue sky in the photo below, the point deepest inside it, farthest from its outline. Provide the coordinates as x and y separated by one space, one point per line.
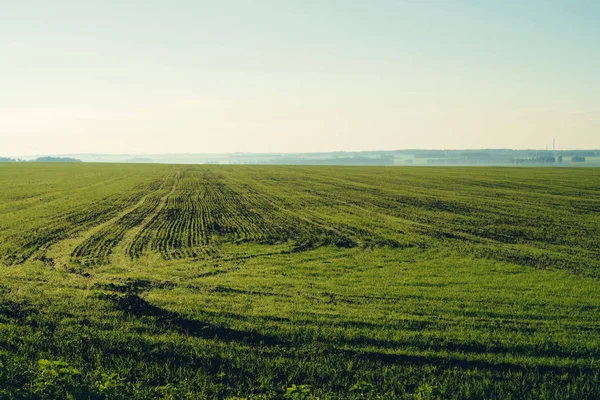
283 76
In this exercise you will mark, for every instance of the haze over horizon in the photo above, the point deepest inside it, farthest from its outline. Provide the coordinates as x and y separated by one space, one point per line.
245 76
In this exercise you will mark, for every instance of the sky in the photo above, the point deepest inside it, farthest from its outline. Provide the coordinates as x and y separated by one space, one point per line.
297 76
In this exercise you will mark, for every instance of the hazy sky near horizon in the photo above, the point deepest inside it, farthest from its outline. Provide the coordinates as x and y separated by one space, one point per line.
293 76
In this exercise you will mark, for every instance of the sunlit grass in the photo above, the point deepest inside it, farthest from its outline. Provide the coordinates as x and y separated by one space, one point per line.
299 282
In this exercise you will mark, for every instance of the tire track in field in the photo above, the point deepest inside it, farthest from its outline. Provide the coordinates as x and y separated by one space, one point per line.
61 253
124 247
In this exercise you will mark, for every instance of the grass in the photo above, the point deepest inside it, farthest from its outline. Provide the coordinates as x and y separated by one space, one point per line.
158 281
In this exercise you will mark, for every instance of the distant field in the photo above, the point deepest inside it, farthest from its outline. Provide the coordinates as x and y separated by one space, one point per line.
261 282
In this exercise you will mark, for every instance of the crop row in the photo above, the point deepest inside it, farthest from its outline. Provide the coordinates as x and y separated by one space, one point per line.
97 249
60 227
304 208
394 209
205 211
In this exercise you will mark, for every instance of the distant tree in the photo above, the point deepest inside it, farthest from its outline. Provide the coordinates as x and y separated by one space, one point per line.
559 159
546 159
5 160
578 159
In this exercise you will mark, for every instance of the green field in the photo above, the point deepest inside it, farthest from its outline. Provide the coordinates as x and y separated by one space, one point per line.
261 282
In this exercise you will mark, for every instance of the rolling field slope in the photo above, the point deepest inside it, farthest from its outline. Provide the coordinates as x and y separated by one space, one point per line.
260 282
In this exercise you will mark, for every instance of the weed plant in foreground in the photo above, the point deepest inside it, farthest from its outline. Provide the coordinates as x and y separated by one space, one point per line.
273 282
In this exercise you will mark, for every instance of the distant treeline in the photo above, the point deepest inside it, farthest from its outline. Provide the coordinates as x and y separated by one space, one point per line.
57 160
546 160
43 159
464 154
467 161
380 158
336 161
537 160
502 156
495 153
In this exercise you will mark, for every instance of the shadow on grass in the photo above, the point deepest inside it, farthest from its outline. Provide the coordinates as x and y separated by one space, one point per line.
126 298
134 305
